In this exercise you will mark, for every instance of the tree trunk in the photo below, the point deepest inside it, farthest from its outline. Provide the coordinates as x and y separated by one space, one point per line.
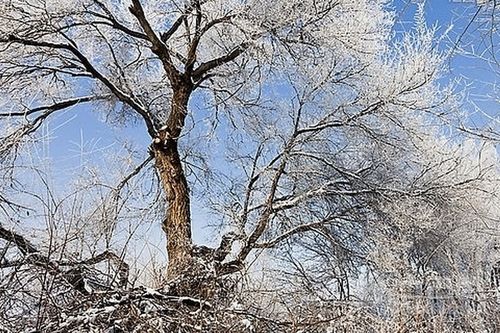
177 223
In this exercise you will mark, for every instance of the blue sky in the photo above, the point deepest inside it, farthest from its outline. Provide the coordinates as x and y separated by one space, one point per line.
477 75
80 130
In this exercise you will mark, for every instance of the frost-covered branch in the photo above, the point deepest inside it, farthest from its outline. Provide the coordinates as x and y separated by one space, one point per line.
159 47
126 98
75 276
54 107
292 232
205 67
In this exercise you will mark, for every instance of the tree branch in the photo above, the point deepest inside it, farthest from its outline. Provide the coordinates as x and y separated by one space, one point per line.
158 46
191 57
74 276
114 22
122 96
54 107
209 65
294 231
21 243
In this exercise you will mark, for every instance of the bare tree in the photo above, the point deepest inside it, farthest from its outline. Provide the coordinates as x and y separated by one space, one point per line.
151 68
337 137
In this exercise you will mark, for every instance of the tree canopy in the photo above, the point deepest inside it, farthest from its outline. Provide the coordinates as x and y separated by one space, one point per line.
312 130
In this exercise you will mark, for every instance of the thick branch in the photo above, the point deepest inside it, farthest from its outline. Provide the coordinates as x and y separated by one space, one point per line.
225 245
205 67
122 96
54 107
73 276
114 22
294 231
21 243
175 26
191 58
166 35
158 46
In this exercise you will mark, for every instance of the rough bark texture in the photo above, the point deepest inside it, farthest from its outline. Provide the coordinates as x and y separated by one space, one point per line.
177 224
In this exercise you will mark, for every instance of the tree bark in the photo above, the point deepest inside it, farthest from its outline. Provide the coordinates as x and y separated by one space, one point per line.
177 223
